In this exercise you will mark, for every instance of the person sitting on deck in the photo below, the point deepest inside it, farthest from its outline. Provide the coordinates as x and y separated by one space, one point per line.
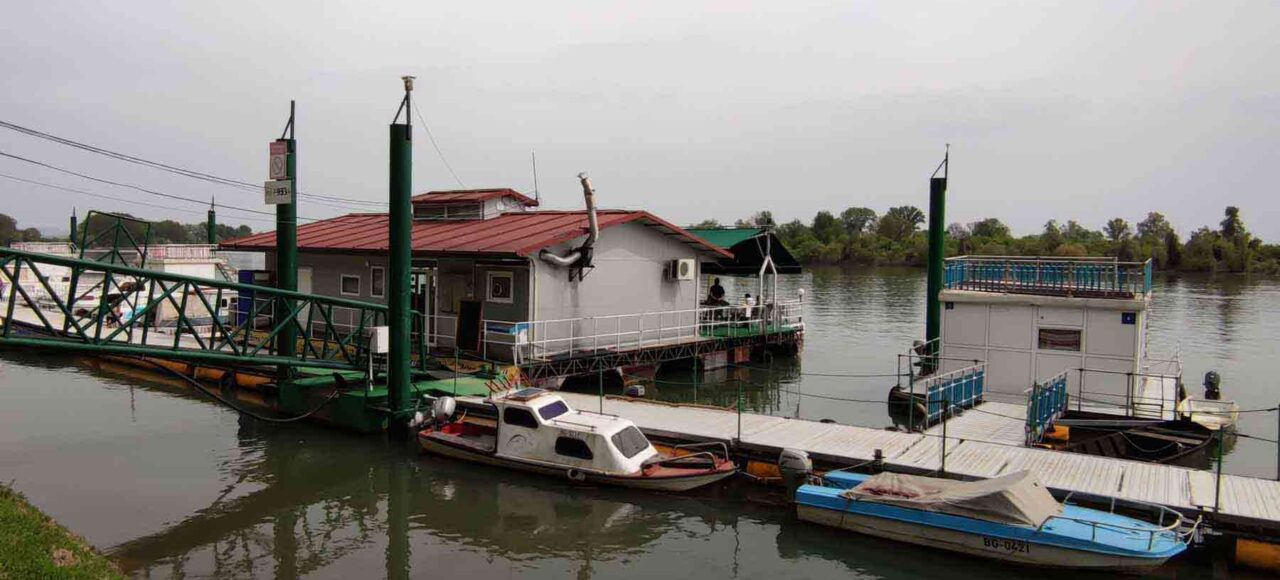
715 296
748 305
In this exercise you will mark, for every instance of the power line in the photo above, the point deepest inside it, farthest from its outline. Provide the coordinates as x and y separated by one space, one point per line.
135 187
120 199
191 173
432 138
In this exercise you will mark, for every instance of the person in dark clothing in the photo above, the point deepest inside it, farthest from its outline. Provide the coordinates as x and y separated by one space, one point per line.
716 295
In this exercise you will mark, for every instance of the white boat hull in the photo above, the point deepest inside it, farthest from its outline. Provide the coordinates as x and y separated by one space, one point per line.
1015 551
674 484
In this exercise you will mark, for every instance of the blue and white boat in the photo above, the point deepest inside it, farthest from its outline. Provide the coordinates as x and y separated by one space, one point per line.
1011 518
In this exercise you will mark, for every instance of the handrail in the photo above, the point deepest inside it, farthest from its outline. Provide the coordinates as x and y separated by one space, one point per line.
213 320
968 383
721 444
169 277
1045 404
1152 532
1107 277
534 339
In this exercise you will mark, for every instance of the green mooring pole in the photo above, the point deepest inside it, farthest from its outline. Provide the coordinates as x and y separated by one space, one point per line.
937 249
72 236
211 226
287 253
401 240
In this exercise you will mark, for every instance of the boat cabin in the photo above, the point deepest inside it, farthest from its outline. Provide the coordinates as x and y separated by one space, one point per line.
1032 319
537 425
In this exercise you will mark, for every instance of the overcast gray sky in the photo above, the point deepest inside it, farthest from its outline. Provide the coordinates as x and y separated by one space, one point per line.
1067 110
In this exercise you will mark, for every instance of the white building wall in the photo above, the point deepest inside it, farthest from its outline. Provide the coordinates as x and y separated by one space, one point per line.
628 279
1003 330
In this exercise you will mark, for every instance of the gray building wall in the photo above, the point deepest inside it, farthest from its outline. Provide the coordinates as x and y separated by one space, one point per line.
1003 330
627 279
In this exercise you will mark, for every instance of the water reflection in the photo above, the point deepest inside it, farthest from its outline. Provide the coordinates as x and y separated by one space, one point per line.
178 487
327 497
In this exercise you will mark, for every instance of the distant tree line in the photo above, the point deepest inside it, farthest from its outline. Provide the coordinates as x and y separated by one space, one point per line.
162 232
859 235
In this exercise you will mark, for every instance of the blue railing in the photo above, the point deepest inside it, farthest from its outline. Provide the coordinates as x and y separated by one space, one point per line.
1045 404
951 391
1054 276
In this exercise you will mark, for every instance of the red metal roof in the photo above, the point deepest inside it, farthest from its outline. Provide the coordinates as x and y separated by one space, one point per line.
519 233
456 195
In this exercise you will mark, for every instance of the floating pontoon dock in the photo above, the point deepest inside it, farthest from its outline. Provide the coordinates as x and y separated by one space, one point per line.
979 444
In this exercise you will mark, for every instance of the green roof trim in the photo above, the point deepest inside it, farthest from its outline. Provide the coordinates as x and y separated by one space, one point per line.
725 237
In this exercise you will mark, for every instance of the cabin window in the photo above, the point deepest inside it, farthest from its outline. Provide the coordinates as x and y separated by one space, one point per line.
570 447
1060 339
349 285
553 410
630 441
377 282
519 417
500 287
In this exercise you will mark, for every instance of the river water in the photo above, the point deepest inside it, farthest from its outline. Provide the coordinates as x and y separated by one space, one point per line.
175 486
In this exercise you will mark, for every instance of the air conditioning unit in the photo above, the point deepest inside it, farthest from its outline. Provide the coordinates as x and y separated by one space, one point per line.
682 269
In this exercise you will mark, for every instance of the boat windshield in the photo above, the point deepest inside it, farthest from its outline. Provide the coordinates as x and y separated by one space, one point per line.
630 441
553 410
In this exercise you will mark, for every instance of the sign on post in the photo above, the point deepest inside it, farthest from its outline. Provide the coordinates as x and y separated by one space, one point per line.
278 191
279 166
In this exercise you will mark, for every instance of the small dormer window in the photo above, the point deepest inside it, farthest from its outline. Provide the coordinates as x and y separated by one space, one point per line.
460 211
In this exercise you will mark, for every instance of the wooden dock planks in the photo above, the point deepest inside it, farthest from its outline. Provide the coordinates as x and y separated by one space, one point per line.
1245 500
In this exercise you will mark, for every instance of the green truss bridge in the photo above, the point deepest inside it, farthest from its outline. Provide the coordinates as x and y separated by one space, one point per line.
105 307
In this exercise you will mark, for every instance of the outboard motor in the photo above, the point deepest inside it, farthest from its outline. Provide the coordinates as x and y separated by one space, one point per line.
443 409
796 467
1212 386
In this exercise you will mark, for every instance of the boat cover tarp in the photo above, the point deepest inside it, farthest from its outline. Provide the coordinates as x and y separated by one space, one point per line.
1017 498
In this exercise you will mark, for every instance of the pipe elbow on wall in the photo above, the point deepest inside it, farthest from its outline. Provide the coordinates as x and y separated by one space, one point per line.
563 261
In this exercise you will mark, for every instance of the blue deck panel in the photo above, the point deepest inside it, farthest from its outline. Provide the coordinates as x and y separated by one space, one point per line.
1057 532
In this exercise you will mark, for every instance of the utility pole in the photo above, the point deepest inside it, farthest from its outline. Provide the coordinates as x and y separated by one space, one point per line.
287 250
400 239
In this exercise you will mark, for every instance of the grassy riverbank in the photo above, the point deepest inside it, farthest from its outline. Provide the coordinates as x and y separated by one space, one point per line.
32 545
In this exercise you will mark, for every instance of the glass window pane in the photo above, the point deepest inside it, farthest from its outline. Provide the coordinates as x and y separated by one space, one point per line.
630 441
553 410
1059 339
570 447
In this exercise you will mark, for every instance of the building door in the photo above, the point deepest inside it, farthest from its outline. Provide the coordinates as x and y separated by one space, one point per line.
304 286
423 299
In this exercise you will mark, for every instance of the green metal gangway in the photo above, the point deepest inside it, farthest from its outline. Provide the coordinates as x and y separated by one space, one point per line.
105 307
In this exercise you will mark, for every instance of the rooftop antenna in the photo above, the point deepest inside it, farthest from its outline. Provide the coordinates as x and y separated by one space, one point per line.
534 156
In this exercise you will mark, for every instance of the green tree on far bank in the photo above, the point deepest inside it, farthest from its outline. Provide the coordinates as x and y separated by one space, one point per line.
858 236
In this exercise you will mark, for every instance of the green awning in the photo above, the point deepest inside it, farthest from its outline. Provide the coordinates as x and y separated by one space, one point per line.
725 237
748 247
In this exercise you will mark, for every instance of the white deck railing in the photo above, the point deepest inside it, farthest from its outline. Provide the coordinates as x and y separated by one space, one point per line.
527 341
545 339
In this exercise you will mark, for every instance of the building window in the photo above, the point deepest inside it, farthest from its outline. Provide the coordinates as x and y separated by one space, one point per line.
349 285
1059 339
519 417
575 448
377 282
501 286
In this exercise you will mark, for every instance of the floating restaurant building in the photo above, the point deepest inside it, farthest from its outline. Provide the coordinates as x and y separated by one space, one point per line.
500 280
